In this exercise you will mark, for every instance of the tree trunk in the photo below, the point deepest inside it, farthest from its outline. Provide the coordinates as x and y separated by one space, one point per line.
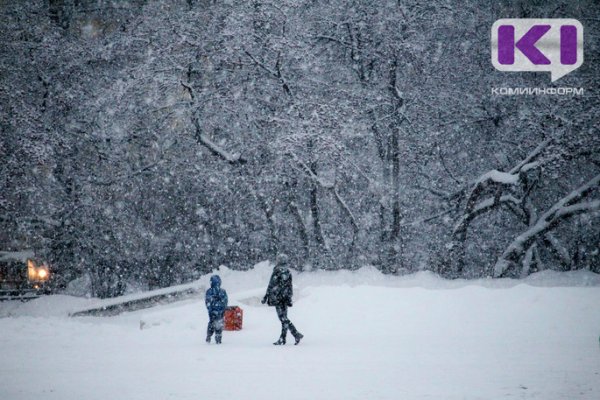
394 155
314 206
302 231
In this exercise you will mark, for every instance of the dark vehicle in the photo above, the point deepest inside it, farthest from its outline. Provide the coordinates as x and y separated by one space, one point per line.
22 275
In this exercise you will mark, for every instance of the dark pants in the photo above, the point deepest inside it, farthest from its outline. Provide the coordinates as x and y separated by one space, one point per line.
215 325
285 321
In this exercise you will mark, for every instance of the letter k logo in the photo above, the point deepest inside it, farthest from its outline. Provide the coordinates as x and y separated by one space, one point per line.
506 44
554 45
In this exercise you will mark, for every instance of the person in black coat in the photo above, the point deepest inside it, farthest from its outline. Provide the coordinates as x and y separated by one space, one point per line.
216 303
279 295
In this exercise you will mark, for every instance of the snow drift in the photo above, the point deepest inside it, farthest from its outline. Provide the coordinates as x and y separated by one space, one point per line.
367 336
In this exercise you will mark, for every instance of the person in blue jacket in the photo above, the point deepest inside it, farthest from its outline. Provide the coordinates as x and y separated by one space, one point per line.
216 303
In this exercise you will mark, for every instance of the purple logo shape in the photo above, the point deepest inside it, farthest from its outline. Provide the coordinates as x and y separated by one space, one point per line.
554 45
506 44
568 44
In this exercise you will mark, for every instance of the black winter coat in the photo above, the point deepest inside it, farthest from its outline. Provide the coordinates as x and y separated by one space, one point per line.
280 291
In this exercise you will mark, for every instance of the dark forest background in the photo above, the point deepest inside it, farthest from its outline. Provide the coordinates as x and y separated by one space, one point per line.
148 142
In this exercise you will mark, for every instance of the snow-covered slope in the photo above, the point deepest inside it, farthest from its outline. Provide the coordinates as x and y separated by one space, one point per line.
367 336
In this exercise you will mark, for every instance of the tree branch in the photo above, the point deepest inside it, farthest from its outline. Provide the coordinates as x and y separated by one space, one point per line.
215 149
563 209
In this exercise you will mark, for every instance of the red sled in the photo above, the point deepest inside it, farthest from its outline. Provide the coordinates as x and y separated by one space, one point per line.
233 317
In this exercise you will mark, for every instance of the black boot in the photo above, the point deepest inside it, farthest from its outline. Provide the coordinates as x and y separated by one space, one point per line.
208 339
280 341
284 331
218 339
298 336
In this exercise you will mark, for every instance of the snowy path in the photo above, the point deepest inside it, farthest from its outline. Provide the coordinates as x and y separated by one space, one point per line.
362 342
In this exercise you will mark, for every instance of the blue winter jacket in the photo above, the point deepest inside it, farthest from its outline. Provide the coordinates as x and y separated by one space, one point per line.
216 298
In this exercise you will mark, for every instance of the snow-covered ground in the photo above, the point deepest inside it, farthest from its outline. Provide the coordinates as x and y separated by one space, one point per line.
367 336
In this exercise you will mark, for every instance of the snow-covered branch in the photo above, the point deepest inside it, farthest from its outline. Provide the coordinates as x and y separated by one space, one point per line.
260 64
496 176
565 208
533 155
216 149
347 211
507 178
482 207
501 180
332 188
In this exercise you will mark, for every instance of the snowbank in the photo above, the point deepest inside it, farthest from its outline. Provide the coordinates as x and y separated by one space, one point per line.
256 279
367 336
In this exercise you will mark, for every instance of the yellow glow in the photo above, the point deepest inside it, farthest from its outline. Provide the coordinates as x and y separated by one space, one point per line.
31 272
35 273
